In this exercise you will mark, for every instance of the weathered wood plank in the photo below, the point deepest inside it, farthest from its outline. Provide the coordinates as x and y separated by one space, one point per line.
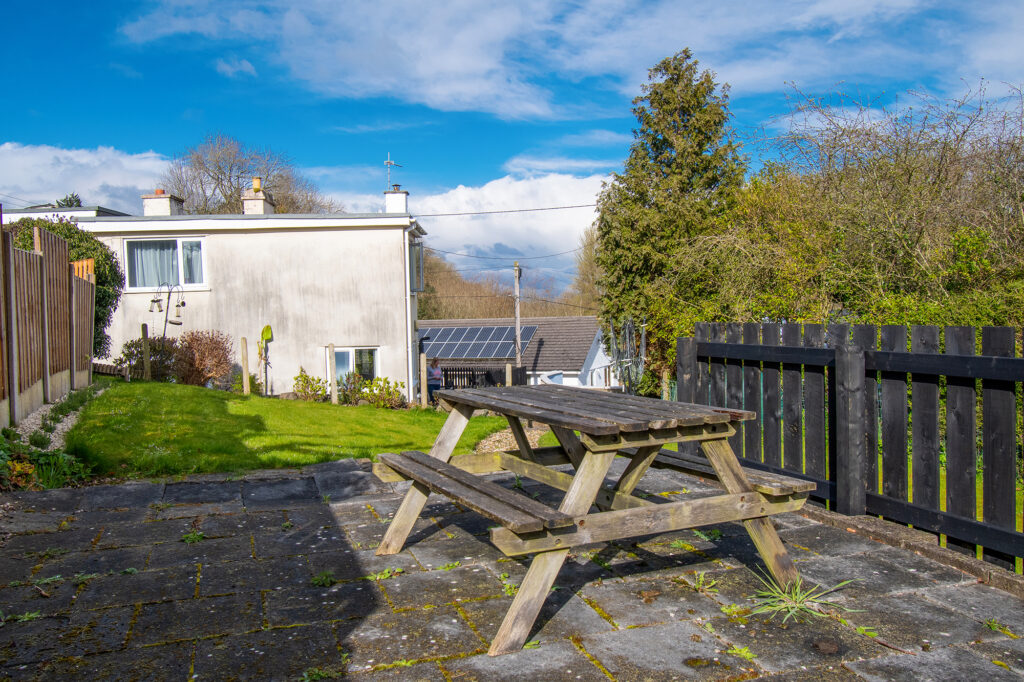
718 376
519 434
570 443
596 405
792 404
814 406
894 418
702 332
837 335
492 402
686 377
850 475
734 380
998 442
961 435
771 417
563 407
412 504
924 390
865 338
471 497
685 413
637 467
751 396
474 463
761 481
661 518
606 499
550 517
683 434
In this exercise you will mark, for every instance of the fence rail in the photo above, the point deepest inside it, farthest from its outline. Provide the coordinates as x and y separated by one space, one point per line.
46 319
894 421
478 377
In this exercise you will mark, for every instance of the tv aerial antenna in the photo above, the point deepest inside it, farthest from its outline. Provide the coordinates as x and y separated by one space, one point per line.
388 164
628 357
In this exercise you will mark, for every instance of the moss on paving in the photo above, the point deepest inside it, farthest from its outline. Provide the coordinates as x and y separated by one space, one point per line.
147 429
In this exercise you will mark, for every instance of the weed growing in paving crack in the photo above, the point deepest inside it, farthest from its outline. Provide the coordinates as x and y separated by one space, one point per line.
510 588
702 583
193 536
19 617
130 571
325 579
794 600
287 525
330 673
326 499
160 506
83 578
532 644
385 574
741 651
867 631
996 626
450 566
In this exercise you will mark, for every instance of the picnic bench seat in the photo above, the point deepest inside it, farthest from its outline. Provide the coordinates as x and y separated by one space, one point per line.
764 482
516 512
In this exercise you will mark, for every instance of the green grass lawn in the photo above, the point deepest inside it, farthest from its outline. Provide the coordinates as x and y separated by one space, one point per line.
148 429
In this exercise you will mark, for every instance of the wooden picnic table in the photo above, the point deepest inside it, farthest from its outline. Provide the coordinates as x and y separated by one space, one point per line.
608 425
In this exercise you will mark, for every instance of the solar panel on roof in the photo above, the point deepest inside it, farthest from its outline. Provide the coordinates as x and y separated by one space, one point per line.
526 333
474 342
471 334
441 334
457 333
485 333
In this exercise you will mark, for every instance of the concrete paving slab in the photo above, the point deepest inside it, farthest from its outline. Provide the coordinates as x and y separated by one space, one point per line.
31 521
982 603
65 500
280 493
872 575
563 615
32 641
142 534
179 553
191 618
142 587
911 622
950 663
268 655
409 636
95 561
246 575
91 632
299 539
311 604
196 493
675 651
182 510
423 672
1009 652
40 546
339 485
556 660
354 564
649 602
47 600
433 588
102 518
827 541
158 663
784 646
121 496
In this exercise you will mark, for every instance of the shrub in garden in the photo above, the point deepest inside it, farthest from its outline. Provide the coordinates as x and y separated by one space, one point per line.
255 385
350 388
309 387
161 357
202 356
382 392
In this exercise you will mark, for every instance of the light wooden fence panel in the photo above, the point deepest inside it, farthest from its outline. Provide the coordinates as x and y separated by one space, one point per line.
84 293
5 403
57 299
28 311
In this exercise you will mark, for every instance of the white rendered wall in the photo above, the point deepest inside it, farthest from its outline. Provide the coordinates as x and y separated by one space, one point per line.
313 286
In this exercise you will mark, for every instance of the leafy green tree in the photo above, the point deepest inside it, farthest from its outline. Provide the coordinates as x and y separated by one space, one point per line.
69 201
82 245
681 177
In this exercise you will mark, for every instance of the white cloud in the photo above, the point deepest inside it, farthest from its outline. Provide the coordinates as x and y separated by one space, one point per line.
234 67
104 175
529 165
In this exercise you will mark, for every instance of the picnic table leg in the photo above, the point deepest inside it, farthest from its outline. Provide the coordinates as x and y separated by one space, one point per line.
636 468
536 586
571 444
404 519
761 530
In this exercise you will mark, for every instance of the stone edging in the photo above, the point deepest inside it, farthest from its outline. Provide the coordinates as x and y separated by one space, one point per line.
919 542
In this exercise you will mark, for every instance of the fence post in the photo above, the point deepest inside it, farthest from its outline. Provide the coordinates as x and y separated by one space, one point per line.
245 366
332 373
147 370
44 314
686 369
508 373
72 328
851 467
92 322
424 393
12 326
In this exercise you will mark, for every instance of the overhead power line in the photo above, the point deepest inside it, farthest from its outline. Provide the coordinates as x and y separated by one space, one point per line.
469 255
570 305
510 210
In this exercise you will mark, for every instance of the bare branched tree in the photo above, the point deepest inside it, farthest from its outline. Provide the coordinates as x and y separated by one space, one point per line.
211 177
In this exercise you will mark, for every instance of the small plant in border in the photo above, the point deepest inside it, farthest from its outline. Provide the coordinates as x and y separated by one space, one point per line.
385 574
794 600
702 583
741 651
996 626
325 579
450 566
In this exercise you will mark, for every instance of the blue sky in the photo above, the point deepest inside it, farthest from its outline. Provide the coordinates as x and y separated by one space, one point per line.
487 107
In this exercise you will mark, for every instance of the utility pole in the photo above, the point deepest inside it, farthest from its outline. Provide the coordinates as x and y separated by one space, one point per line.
519 347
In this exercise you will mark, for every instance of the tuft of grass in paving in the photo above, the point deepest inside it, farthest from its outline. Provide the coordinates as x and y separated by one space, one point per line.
155 429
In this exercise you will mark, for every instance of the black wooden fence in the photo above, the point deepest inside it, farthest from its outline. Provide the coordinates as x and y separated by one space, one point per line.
480 377
882 427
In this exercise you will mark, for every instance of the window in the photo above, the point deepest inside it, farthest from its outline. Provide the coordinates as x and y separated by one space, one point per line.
152 262
361 360
416 266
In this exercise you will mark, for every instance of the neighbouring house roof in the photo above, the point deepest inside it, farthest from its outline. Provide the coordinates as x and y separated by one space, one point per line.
52 208
229 222
561 343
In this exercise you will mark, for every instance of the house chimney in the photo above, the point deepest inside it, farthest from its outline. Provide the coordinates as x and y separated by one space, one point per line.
396 200
161 203
256 200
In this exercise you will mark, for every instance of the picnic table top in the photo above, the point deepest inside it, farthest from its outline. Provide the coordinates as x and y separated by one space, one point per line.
591 411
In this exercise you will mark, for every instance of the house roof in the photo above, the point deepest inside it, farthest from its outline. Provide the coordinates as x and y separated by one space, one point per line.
53 208
561 343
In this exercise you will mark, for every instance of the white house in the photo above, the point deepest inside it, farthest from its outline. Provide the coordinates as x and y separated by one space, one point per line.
345 279
561 350
55 213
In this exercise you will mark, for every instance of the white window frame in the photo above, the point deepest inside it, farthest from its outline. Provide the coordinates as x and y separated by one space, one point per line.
352 350
204 286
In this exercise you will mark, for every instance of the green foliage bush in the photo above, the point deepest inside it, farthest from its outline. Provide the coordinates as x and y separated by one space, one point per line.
38 439
310 388
82 245
255 385
382 392
161 357
350 388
